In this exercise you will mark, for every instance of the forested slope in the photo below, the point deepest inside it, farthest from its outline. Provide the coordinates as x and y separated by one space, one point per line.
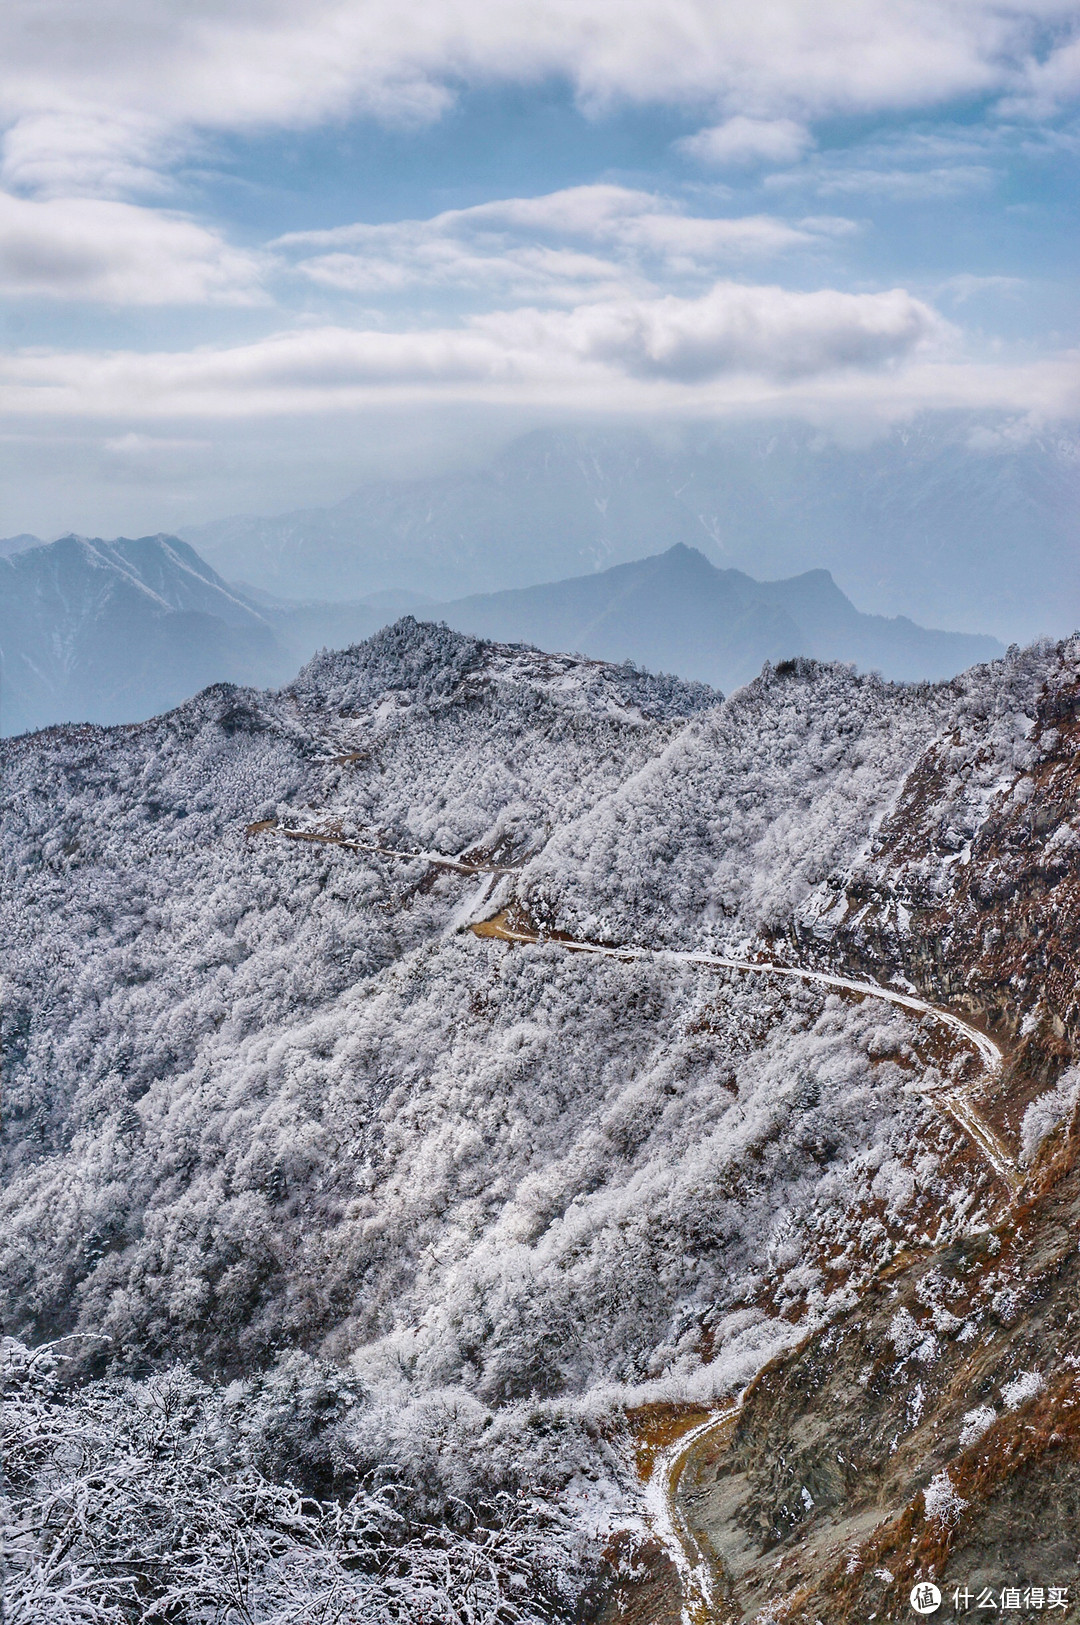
418 1203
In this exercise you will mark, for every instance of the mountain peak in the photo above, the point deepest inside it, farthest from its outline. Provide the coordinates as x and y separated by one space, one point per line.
108 631
676 611
681 553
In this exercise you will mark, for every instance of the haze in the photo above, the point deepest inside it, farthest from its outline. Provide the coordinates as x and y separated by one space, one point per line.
250 260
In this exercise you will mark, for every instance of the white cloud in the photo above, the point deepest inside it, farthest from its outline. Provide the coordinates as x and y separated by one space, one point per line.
742 140
601 213
232 65
1047 84
942 161
947 180
522 355
527 272
966 285
829 225
733 328
88 153
576 211
98 249
697 239
586 242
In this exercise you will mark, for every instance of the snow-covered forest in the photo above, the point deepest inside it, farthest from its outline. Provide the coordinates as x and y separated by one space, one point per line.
352 1235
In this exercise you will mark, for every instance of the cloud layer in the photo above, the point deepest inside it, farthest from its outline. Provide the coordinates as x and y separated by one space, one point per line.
117 253
129 71
733 330
585 243
582 242
118 121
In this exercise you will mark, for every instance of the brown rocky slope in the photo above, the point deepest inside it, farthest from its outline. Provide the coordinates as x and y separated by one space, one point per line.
933 1430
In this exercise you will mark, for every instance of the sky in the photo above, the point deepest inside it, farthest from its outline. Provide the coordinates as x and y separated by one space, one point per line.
252 253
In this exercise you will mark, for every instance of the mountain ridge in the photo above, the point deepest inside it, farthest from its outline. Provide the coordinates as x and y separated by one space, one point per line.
676 611
104 631
114 631
959 515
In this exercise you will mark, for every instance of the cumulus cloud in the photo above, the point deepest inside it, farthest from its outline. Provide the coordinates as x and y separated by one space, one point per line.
232 65
103 250
585 242
733 328
742 140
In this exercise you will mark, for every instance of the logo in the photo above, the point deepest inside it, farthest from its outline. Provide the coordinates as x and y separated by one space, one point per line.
925 1597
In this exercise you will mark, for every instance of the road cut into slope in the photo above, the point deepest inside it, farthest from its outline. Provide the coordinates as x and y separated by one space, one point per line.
955 1103
331 838
696 1581
690 1562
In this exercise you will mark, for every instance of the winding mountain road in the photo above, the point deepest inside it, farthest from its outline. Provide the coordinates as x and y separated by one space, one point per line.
691 1564
696 1583
327 838
955 1103
689 1561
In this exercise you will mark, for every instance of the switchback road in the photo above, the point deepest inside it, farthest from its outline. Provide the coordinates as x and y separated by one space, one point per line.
696 1583
690 1562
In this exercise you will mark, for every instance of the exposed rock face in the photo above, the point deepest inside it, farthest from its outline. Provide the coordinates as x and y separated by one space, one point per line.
970 889
933 1430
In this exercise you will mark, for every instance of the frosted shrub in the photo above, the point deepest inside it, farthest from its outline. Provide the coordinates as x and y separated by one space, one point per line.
1022 1388
132 1502
975 1424
942 1502
1047 1112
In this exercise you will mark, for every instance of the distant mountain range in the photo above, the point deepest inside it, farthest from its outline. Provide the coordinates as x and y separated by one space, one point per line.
677 612
119 631
17 544
956 518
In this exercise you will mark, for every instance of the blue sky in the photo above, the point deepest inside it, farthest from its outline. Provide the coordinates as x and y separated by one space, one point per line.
249 256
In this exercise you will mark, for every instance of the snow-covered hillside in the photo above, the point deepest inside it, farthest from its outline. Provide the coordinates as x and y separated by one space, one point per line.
269 1101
